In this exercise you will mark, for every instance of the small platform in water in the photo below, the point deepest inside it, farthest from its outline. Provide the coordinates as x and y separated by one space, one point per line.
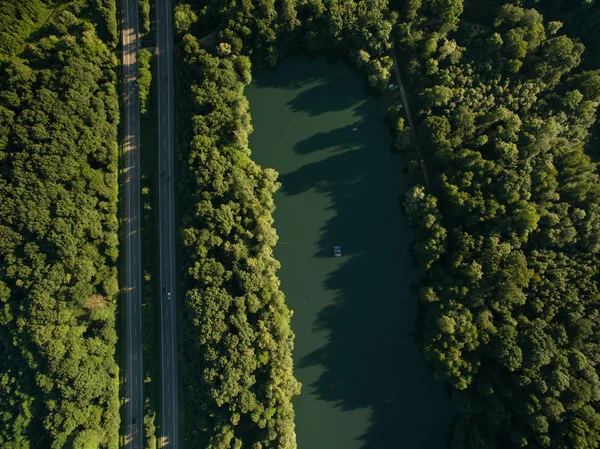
337 251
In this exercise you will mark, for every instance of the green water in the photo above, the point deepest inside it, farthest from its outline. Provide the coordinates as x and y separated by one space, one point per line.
365 383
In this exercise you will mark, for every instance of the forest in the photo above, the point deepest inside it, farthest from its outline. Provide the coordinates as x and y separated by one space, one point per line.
505 95
236 340
59 113
510 231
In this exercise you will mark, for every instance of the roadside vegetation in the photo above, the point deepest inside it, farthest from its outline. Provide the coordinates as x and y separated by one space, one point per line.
59 113
144 79
508 232
144 11
236 340
150 254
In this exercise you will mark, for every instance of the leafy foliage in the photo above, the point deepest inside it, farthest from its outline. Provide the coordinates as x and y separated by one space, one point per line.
144 8
508 233
510 302
237 339
58 241
265 30
104 14
19 20
144 78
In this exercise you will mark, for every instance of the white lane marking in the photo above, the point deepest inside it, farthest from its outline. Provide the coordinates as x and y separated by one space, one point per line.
128 296
160 14
164 39
139 201
171 220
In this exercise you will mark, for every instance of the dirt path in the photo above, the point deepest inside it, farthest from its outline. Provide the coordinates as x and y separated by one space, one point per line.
410 122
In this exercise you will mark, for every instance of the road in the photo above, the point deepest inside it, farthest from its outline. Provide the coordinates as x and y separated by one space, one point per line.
166 211
131 213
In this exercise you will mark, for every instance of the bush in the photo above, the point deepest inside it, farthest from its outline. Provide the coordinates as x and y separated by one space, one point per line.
144 79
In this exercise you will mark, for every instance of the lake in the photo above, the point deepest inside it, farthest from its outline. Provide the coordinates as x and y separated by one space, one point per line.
365 382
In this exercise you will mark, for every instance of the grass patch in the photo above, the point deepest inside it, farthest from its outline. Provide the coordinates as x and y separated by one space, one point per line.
20 20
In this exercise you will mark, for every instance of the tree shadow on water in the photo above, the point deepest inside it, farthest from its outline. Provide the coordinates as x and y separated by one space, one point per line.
324 85
369 360
325 95
343 138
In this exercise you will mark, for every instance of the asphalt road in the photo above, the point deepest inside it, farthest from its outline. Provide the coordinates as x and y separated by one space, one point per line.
131 213
166 211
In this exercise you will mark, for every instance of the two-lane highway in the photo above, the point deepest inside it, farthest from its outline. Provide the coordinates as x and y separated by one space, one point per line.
131 212
166 211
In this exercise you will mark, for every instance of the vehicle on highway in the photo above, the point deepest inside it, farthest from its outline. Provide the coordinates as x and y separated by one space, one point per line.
169 295
166 78
167 178
164 287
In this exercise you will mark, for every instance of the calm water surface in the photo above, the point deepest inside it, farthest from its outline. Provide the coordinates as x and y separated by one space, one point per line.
365 383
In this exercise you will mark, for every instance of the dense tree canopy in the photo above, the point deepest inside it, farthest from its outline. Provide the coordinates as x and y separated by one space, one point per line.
19 19
510 303
58 235
509 230
237 340
24 21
